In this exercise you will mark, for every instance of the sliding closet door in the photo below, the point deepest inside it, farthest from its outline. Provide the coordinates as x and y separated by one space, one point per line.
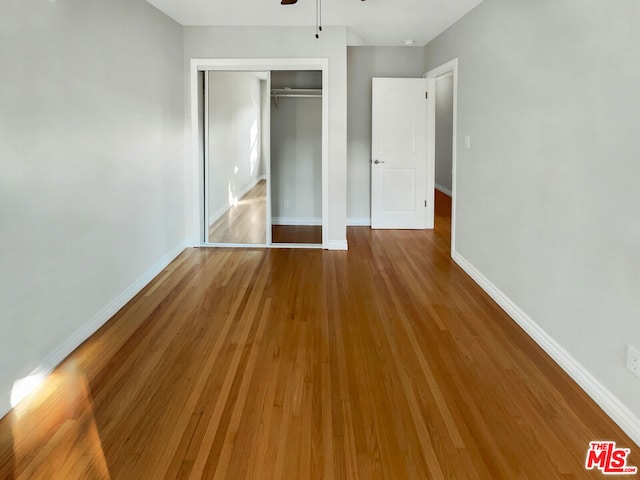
236 170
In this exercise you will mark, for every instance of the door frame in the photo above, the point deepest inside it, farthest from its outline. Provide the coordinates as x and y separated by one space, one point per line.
253 65
450 67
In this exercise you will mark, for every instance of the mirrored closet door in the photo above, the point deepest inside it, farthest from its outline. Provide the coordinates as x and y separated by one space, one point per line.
236 154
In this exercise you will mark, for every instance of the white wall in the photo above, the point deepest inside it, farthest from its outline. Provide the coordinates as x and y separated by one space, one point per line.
444 131
91 162
548 193
235 137
290 42
364 63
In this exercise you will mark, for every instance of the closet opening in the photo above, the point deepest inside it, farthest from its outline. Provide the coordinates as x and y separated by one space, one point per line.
296 157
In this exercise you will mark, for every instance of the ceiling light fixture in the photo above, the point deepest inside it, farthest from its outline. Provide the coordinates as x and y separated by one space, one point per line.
409 43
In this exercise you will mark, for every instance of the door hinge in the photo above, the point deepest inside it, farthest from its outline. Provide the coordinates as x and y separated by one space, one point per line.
426 95
425 204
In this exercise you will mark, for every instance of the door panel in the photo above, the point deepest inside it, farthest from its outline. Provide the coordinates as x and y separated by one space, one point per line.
397 199
399 117
399 153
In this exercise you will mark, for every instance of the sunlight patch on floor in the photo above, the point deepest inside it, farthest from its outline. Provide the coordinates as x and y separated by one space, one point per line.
54 428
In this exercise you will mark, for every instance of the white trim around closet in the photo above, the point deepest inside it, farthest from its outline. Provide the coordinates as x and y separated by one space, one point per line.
255 64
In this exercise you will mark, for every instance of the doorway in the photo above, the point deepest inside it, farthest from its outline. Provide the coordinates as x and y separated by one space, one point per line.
444 133
244 195
442 84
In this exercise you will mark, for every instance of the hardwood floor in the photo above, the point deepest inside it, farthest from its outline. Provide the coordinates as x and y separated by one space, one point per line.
297 234
442 217
385 361
245 222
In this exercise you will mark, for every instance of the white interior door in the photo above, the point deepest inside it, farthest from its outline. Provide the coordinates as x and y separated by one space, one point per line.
399 197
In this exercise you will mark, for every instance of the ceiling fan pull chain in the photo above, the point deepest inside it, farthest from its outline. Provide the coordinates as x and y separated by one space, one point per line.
317 19
320 15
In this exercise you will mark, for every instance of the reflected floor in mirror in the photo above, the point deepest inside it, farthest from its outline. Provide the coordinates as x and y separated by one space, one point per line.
244 222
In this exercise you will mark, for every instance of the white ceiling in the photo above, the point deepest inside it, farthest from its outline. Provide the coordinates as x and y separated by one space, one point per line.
370 22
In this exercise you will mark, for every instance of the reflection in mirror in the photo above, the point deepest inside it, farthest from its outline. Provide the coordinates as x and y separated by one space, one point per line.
236 193
296 156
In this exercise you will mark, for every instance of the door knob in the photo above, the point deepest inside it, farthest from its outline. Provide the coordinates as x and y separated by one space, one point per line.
377 162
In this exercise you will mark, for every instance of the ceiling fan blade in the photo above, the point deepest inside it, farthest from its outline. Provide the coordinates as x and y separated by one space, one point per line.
288 2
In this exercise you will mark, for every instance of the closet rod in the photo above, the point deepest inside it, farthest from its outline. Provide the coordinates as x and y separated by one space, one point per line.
297 92
279 95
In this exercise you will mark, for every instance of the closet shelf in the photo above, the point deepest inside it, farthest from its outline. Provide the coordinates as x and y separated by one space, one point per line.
296 92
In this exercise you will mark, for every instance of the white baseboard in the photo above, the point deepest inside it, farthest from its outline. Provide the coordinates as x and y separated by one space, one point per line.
225 208
359 222
444 190
298 221
56 357
337 245
618 412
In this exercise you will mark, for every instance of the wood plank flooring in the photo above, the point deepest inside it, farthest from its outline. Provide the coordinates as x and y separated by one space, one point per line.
297 234
385 361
